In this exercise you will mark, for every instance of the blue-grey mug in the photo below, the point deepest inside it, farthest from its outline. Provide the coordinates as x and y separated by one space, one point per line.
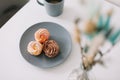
53 7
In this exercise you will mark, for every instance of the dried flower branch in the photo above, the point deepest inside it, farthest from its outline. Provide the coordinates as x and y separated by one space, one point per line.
77 31
88 59
78 34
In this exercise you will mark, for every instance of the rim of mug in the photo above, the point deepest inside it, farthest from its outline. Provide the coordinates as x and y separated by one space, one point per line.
54 3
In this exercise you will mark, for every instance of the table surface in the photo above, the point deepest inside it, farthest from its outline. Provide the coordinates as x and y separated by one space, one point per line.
14 67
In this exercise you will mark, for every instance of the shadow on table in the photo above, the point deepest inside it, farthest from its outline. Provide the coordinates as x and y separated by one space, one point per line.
8 8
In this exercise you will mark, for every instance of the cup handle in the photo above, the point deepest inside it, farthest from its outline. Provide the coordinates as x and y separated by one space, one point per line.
40 3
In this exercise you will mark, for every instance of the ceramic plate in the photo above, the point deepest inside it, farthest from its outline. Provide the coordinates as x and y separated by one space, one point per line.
58 33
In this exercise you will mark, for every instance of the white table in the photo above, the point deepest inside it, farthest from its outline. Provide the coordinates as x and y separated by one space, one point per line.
14 67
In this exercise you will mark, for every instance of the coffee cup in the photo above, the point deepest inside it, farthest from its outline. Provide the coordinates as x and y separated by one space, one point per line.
53 7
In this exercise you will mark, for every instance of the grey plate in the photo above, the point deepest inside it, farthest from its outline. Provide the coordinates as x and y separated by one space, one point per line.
58 33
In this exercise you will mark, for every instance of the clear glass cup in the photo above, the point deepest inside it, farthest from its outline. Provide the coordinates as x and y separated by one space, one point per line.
81 74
